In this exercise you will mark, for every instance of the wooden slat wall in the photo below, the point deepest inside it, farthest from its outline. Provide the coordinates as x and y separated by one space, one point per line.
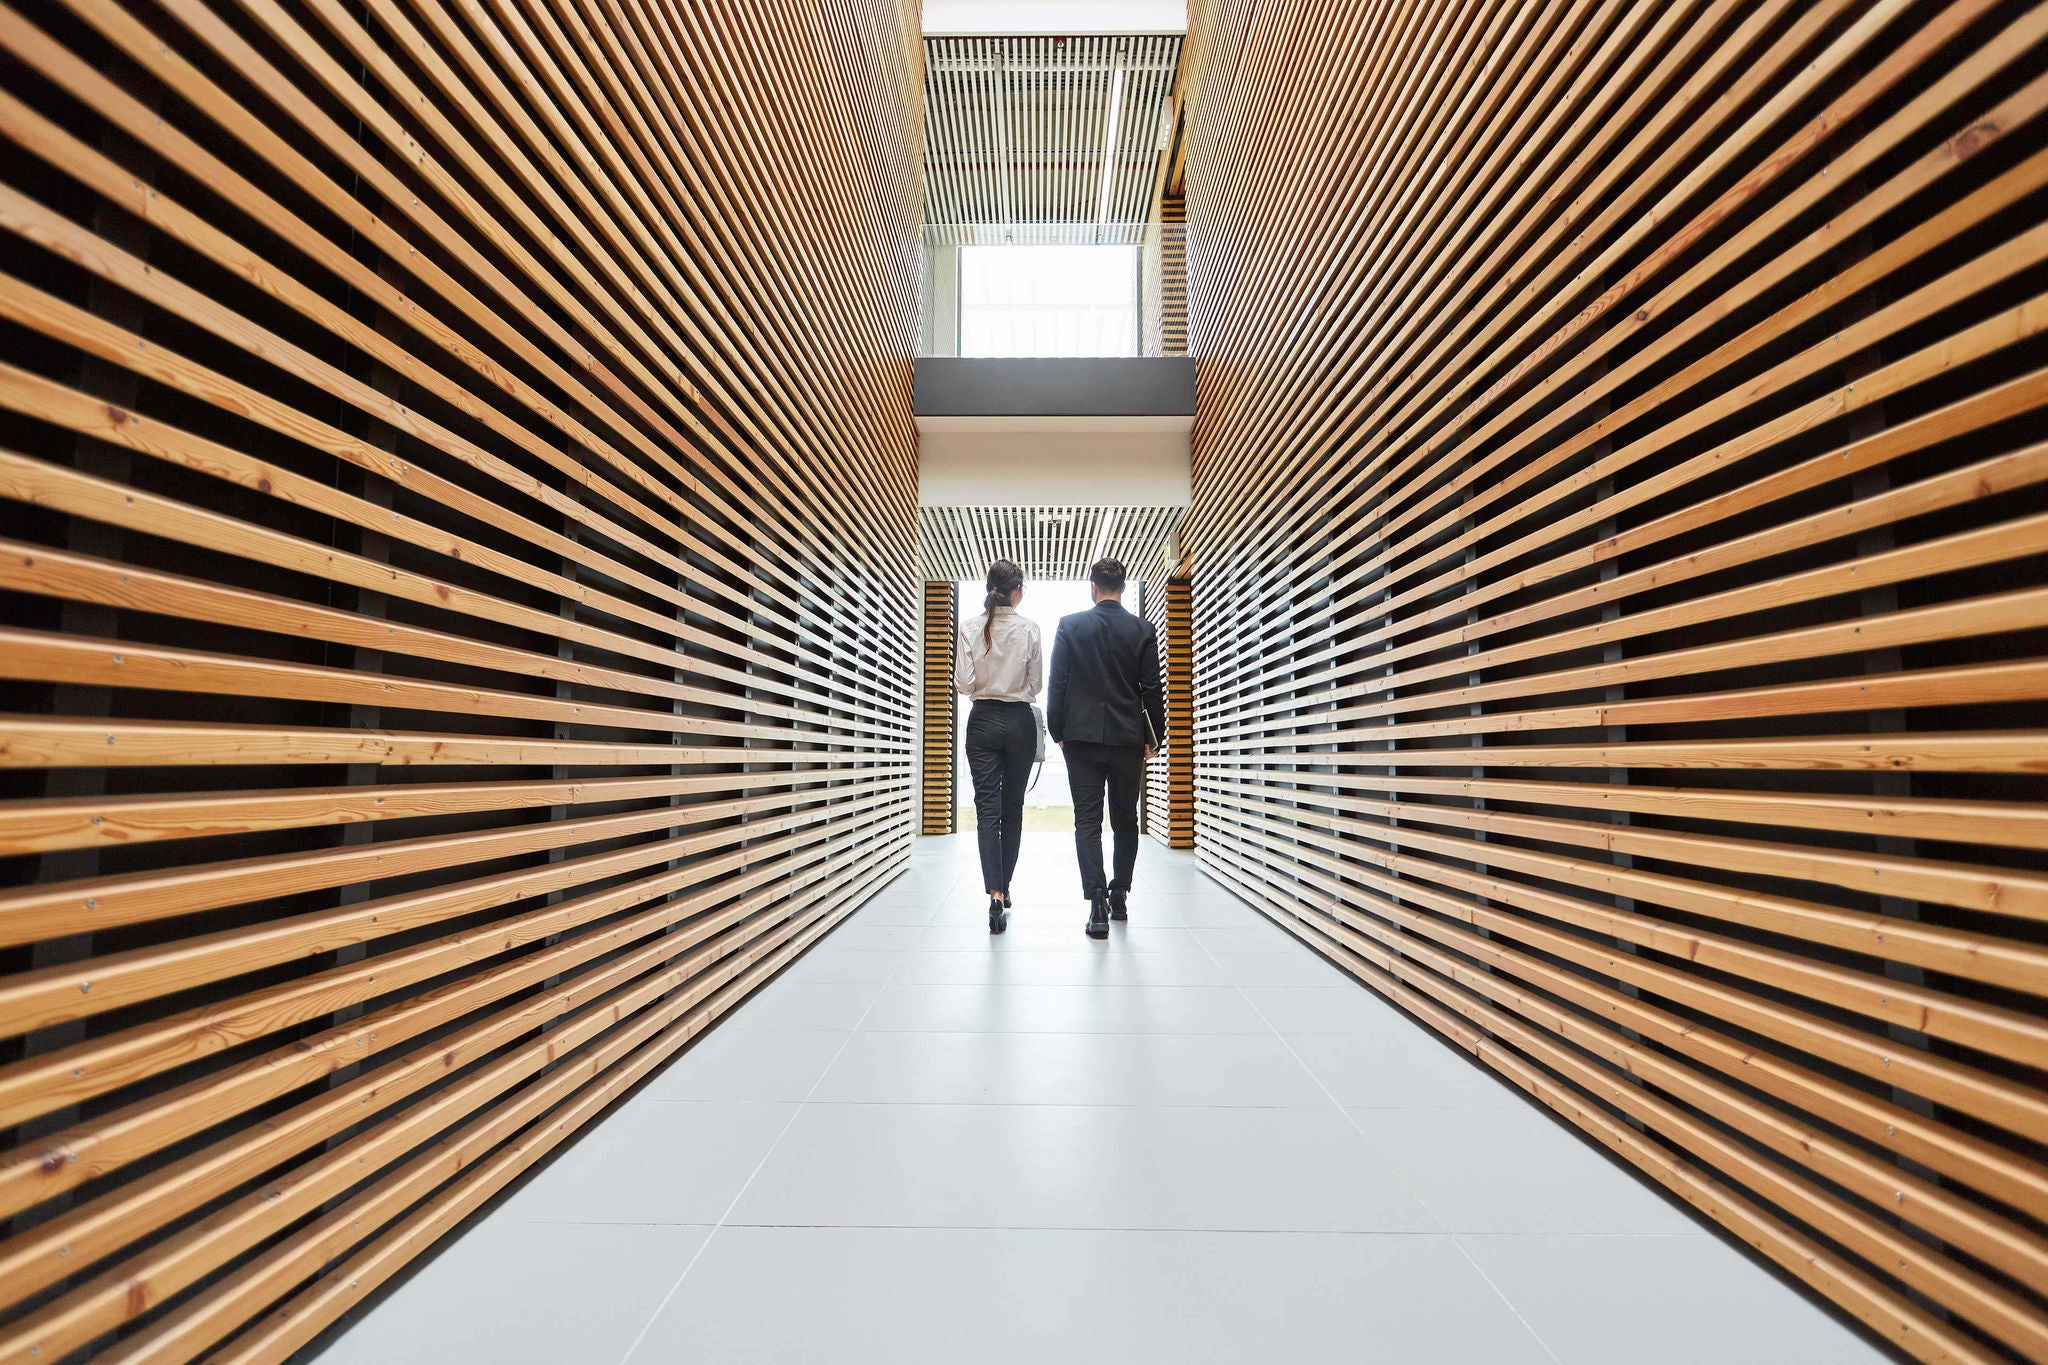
1170 778
940 767
1173 275
1152 603
456 605
1619 585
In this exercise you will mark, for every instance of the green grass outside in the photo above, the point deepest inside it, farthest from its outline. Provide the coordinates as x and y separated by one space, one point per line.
1037 819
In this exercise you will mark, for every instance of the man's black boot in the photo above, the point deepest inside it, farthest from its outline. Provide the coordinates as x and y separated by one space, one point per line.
1117 908
1098 917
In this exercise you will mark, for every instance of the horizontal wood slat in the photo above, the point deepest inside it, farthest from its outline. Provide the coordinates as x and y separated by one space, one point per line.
457 585
1617 555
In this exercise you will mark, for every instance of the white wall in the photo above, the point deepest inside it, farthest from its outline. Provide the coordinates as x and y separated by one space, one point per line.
1052 461
944 18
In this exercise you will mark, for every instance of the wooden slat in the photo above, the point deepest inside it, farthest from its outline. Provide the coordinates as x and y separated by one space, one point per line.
1173 275
1616 541
457 600
939 762
1170 780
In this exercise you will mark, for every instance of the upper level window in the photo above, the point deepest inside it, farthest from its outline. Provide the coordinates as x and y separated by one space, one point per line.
1048 300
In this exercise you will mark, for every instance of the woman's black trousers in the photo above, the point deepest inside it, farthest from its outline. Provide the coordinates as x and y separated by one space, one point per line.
1002 738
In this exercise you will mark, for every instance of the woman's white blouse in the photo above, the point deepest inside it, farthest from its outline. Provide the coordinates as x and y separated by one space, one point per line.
1004 669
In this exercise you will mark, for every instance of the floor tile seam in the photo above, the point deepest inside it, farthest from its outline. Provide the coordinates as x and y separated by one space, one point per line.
1586 1236
1044 939
1227 984
1056 1032
1049 931
1004 952
1133 1229
1121 952
1112 1104
1460 1237
1498 1293
1105 985
1028 1104
795 1113
1062 1104
1502 1295
1099 985
1330 1095
1234 917
1080 1033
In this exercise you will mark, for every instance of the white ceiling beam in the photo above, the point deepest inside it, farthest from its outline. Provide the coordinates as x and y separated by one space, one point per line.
1064 18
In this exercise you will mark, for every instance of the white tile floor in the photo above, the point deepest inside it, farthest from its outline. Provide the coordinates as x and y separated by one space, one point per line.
1194 1142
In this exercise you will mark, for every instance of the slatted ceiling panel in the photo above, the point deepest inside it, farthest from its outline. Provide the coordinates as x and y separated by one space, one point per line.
1049 543
941 793
456 544
1017 131
1617 558
1143 539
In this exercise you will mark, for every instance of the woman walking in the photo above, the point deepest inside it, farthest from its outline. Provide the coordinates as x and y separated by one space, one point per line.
999 668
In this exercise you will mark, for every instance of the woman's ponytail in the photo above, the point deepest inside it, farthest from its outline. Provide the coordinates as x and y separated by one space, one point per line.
1004 578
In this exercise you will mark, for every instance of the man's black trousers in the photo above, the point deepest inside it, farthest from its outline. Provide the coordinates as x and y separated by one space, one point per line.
1092 769
1002 739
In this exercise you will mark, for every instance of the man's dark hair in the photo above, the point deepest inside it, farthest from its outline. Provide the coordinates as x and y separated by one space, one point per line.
1107 574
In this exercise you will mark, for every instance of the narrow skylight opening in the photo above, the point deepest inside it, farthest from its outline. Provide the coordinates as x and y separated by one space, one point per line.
1102 536
1116 114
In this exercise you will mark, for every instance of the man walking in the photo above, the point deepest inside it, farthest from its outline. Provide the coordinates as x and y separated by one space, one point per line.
1103 707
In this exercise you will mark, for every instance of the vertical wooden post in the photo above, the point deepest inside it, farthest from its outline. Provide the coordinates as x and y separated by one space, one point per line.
1170 785
941 629
1173 275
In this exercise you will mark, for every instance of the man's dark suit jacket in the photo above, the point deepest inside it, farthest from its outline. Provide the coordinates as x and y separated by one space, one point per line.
1104 687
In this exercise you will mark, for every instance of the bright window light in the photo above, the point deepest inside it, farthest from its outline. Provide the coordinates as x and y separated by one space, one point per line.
1048 300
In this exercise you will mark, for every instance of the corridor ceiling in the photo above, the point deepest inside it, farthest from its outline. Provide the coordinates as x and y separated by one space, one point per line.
1040 140
1048 543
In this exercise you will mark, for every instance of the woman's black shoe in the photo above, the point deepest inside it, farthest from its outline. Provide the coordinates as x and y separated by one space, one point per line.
1098 917
998 915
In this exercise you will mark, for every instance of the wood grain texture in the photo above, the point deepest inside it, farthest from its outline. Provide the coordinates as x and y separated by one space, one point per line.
1170 778
1615 553
939 761
457 605
1173 275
